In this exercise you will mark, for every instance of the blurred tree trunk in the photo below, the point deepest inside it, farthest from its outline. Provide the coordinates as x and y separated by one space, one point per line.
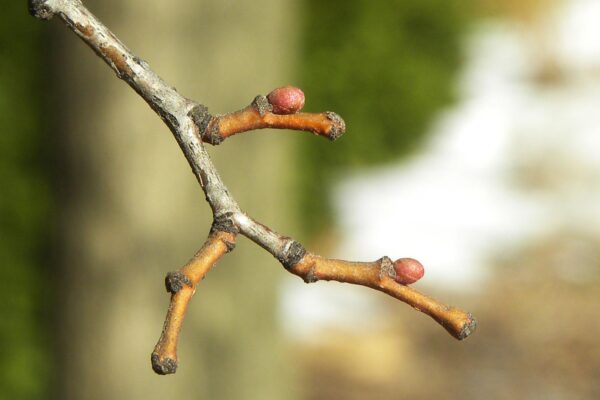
132 210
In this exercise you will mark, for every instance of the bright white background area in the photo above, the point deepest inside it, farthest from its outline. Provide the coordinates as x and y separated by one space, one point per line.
469 196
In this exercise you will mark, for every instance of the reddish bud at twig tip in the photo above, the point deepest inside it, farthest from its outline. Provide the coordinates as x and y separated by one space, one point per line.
286 100
408 271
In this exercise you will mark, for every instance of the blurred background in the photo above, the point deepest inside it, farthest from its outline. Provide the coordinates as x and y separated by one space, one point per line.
473 145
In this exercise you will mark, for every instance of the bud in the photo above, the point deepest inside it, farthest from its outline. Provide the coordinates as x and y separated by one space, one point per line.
286 100
408 270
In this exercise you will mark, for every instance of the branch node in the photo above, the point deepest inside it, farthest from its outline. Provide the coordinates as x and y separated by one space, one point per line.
202 118
262 105
338 127
311 276
163 366
386 268
212 134
40 10
224 223
292 254
174 281
208 125
200 115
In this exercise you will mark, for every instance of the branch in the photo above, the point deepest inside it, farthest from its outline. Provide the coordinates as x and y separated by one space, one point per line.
190 123
383 275
272 111
182 286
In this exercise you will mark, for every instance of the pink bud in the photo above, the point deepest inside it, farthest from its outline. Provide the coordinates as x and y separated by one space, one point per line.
408 270
286 100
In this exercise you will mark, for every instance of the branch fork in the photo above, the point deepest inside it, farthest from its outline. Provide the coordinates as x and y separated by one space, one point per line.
192 126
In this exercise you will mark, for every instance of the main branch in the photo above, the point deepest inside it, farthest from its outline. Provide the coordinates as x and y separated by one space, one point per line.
191 124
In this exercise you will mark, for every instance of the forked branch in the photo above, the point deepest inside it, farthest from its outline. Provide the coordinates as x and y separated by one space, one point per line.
191 124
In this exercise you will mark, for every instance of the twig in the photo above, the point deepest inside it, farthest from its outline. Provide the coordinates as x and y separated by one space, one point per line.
380 275
182 286
190 123
259 115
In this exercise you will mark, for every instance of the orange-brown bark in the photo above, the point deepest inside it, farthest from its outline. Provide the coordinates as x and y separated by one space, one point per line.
326 124
380 275
182 285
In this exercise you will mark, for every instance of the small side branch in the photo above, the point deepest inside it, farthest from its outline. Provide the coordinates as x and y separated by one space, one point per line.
383 275
182 285
264 113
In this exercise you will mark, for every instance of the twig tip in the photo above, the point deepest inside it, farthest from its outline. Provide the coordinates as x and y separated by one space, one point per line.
468 328
338 126
163 366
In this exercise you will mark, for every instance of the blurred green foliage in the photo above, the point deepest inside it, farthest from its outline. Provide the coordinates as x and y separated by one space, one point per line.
385 66
24 208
